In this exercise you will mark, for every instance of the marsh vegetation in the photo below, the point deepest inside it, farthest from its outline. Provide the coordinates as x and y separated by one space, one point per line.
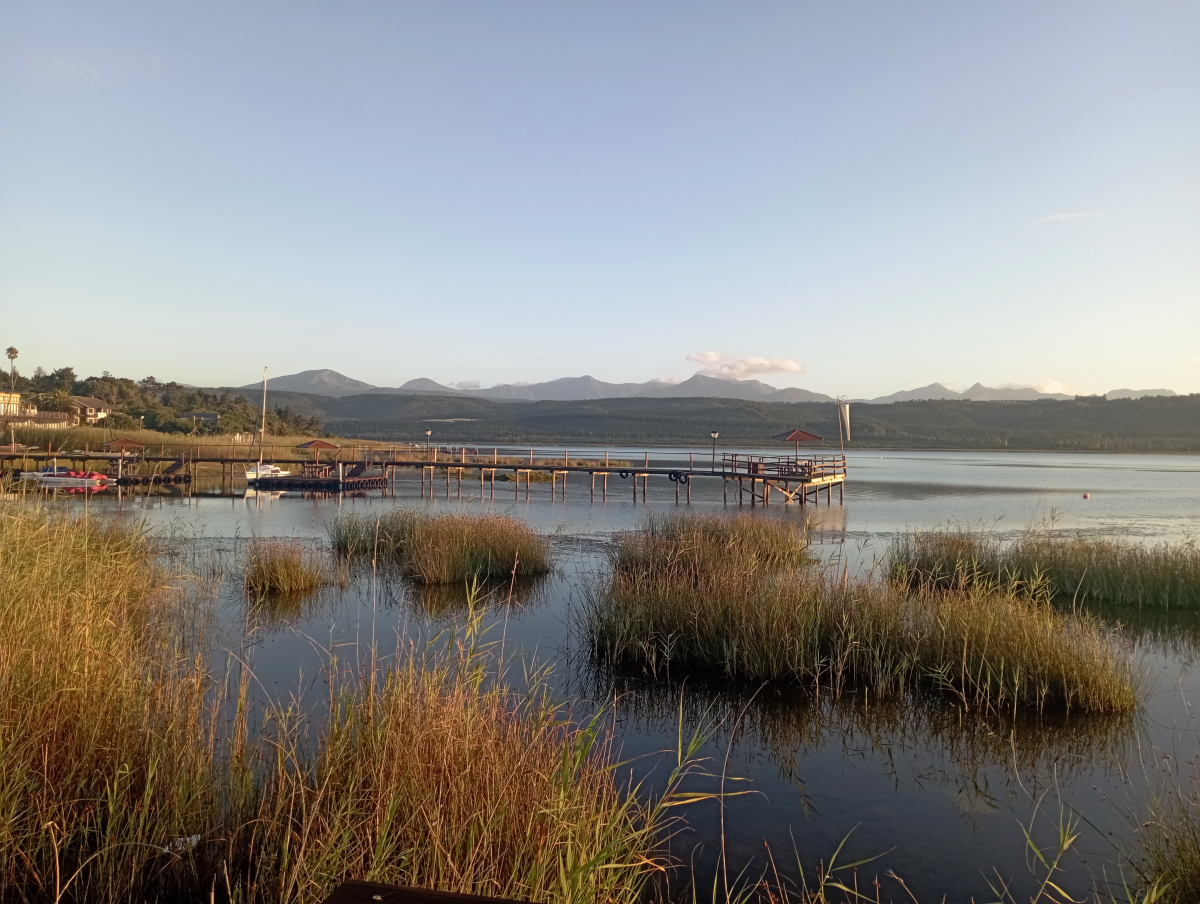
697 595
430 771
442 549
1094 571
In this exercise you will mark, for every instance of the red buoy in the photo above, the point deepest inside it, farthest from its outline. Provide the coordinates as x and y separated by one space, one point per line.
1087 495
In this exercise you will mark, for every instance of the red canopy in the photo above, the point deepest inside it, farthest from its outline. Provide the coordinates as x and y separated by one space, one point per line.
799 436
123 444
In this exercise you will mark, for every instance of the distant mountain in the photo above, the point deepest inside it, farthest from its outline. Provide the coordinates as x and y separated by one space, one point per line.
1138 393
565 389
977 393
586 388
932 391
317 382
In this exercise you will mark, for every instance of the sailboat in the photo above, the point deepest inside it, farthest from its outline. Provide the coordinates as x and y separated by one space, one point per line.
256 472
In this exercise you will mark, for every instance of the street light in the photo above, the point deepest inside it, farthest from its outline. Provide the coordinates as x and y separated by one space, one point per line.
428 433
714 435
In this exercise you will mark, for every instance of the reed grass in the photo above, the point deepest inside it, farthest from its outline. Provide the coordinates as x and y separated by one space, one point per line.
704 551
119 780
1075 568
1170 835
283 568
434 774
104 742
989 646
441 549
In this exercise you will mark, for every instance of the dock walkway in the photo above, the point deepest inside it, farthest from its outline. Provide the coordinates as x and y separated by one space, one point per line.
755 479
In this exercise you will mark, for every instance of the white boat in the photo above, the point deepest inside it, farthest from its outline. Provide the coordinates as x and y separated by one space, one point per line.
260 470
61 480
254 472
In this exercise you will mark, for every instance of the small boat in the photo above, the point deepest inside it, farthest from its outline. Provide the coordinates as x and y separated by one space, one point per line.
255 472
65 477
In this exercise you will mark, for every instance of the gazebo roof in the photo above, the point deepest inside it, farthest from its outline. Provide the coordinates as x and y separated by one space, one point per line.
318 444
123 444
799 436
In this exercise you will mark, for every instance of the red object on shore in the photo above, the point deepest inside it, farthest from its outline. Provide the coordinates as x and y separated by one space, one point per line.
1087 495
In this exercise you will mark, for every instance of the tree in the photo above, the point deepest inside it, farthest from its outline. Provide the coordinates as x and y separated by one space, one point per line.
11 351
56 400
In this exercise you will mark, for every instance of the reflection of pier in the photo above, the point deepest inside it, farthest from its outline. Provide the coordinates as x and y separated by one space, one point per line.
755 479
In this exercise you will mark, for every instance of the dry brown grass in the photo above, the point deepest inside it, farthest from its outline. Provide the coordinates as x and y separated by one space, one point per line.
1074 568
670 606
442 549
116 784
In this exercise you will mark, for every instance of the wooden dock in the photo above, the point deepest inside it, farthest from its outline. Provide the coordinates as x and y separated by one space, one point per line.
754 479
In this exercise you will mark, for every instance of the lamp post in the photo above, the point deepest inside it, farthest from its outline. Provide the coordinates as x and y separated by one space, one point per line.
428 433
714 434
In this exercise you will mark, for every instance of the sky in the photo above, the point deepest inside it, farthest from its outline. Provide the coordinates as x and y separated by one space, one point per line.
850 198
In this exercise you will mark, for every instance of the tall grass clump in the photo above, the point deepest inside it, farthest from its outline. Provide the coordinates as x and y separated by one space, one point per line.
1170 835
1076 568
990 647
433 774
704 551
104 753
283 568
120 780
443 548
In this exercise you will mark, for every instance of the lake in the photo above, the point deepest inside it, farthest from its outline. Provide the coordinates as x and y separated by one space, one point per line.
939 795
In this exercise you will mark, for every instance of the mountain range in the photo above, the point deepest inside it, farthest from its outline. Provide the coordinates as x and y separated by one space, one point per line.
331 383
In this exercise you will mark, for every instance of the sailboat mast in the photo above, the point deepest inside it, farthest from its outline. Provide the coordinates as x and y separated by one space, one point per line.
263 430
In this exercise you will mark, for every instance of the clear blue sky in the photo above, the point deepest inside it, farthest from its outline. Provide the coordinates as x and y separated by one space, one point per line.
889 194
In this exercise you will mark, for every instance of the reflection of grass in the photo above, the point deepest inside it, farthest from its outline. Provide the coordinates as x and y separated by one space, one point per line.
442 549
1091 570
445 599
989 646
787 721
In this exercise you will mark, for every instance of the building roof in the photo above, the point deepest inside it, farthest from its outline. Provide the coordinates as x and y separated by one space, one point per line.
123 444
90 402
799 436
318 444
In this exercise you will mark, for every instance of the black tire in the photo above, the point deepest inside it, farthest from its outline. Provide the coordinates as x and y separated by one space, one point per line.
624 474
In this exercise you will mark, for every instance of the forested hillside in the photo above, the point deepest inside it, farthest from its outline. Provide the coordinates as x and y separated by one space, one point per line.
1153 424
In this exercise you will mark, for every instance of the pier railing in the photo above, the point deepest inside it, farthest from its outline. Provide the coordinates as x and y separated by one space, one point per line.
785 467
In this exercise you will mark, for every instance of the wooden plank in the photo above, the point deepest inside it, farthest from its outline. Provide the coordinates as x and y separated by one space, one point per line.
357 892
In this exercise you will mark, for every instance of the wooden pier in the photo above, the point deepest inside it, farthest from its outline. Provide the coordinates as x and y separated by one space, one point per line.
754 479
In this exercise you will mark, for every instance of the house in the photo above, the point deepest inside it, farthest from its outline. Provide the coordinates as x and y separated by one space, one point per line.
12 406
90 410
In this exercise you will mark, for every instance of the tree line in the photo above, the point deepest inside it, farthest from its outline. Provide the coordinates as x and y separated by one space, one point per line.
167 407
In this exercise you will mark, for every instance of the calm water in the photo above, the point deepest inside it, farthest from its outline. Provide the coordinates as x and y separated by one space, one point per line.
937 794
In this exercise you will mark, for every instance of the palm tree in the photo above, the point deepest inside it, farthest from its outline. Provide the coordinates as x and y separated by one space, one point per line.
56 400
11 351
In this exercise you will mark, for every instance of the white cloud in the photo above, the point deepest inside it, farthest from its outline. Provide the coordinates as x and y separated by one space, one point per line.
1081 215
94 69
465 384
716 364
1044 386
